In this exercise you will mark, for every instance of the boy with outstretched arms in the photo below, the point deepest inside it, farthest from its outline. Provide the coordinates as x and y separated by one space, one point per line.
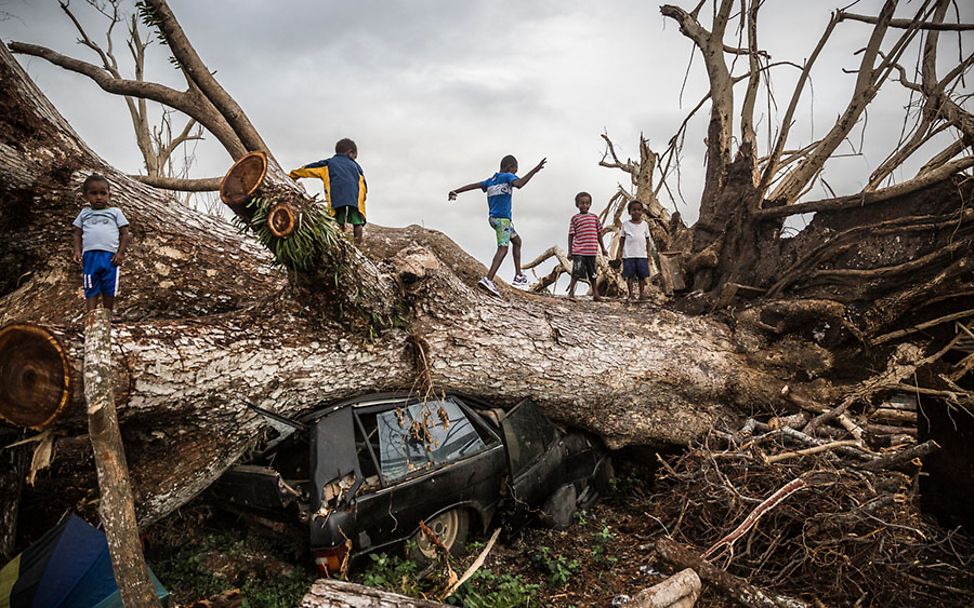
344 183
499 189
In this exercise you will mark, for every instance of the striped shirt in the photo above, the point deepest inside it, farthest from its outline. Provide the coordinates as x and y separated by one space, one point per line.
584 230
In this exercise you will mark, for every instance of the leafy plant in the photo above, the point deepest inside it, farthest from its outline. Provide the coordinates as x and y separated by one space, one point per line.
488 590
600 541
559 568
392 573
185 572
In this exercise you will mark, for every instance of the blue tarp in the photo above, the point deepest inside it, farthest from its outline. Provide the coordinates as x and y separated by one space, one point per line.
68 567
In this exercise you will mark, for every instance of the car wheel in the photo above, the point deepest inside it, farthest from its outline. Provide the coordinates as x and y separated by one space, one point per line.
604 477
559 507
451 529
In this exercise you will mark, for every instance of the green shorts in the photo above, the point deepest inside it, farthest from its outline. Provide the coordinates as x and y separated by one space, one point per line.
503 230
350 215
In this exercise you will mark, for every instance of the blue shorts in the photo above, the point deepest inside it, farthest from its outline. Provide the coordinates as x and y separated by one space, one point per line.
99 275
635 268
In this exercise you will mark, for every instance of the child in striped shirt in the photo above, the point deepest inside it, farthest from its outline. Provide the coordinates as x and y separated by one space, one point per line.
584 243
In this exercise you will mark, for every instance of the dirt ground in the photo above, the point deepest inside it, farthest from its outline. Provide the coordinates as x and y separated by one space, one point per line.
603 557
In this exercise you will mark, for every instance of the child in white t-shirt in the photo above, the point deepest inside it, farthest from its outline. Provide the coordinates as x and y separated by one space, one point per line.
634 246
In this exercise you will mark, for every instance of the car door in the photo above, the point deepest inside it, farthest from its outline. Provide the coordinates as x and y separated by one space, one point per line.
431 457
534 454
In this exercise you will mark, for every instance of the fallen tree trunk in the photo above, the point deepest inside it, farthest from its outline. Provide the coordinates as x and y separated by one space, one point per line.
328 593
185 384
116 507
737 588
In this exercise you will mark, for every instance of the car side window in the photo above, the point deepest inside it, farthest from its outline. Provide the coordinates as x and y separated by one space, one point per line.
365 459
415 437
529 435
453 435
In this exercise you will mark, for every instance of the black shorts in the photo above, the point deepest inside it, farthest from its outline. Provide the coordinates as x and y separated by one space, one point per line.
583 267
635 268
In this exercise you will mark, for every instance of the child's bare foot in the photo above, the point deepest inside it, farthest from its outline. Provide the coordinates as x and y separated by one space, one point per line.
596 298
572 298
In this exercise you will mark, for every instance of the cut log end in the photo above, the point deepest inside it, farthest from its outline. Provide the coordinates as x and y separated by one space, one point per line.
282 220
243 179
35 377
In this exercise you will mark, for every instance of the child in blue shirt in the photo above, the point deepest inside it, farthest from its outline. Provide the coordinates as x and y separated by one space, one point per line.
499 189
101 236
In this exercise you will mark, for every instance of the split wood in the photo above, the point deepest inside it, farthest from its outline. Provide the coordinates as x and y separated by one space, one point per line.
117 507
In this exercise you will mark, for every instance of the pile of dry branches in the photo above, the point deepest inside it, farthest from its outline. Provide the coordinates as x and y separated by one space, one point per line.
822 521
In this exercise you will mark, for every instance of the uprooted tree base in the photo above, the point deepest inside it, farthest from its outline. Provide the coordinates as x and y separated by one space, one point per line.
848 534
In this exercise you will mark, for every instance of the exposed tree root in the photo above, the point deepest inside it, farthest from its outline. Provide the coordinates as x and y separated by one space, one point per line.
854 536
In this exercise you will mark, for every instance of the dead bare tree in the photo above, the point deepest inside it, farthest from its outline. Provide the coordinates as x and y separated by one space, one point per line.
158 144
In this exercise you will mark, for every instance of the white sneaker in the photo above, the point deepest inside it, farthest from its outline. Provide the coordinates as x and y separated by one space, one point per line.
488 285
520 279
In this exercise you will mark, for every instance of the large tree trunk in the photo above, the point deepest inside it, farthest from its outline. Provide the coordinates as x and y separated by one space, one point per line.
205 327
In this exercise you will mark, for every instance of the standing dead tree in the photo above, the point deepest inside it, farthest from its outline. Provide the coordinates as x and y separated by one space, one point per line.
157 144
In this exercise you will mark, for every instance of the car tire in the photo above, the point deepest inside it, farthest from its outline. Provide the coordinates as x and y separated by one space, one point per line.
559 507
604 477
450 527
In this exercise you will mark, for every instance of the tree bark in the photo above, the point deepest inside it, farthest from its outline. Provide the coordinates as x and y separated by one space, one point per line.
678 591
116 508
12 472
185 384
181 263
328 593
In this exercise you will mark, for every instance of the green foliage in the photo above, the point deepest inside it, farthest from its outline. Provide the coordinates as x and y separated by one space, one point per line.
392 573
185 574
559 568
275 593
483 590
600 541
488 590
316 232
581 518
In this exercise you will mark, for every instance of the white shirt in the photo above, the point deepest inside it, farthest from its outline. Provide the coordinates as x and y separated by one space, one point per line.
635 235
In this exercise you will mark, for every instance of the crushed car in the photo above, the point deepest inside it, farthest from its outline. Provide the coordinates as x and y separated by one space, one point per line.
362 474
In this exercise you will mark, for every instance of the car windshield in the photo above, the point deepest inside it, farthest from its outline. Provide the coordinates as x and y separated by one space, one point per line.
424 435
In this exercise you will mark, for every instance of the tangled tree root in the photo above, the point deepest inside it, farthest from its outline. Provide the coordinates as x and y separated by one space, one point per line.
835 526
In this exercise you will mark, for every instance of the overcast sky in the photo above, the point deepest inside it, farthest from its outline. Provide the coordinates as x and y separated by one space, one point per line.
435 92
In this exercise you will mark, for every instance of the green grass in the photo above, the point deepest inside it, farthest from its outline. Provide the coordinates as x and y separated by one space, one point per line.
483 590
182 568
